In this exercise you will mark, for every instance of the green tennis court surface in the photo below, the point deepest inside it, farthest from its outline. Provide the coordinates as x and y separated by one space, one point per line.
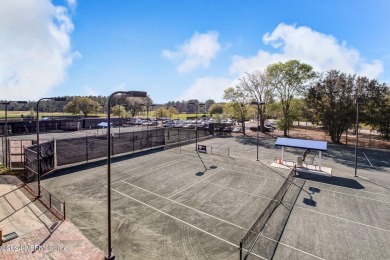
178 204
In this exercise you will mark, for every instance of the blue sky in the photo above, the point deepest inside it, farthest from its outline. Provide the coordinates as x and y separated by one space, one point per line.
178 50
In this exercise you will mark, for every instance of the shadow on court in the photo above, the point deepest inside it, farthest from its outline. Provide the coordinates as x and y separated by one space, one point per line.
334 180
263 142
387 188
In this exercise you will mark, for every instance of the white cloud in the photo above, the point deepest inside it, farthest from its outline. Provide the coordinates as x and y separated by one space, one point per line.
120 87
321 51
195 52
90 91
207 88
72 4
35 50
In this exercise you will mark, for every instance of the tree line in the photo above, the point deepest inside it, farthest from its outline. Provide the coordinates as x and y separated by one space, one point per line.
293 91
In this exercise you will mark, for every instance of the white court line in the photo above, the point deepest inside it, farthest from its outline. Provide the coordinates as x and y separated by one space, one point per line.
292 247
173 201
256 175
253 170
240 191
182 221
230 223
348 220
367 159
150 169
195 183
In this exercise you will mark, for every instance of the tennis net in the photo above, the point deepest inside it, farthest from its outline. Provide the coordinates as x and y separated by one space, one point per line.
248 242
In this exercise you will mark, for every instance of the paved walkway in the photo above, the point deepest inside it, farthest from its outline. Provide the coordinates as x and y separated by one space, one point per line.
40 235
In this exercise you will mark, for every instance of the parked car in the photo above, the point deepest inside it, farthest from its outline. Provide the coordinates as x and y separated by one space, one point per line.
228 129
265 128
237 130
170 124
270 126
189 126
150 123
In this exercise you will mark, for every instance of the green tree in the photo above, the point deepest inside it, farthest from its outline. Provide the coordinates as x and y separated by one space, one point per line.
298 110
31 112
134 105
256 86
118 110
208 104
161 112
82 105
215 109
171 111
331 100
376 105
288 80
236 106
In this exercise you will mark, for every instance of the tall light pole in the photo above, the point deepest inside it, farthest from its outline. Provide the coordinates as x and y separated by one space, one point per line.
358 102
257 128
6 126
38 148
110 254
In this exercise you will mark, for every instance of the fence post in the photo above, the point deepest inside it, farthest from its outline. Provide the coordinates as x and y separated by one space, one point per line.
86 147
25 169
112 145
7 153
133 141
240 249
2 149
50 200
155 140
178 137
142 137
22 150
55 153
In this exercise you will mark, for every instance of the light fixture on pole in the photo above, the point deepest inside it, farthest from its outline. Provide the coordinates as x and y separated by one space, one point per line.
110 255
38 148
358 102
258 122
6 126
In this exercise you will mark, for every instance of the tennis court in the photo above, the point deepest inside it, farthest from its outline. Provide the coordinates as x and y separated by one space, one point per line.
179 204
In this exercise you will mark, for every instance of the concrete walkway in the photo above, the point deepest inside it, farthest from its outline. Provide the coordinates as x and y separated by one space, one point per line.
40 235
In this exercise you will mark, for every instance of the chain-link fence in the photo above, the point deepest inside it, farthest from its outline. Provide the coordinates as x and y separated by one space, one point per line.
2 150
46 160
87 148
180 136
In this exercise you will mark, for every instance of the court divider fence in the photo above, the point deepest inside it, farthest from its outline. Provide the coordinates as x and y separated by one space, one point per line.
251 238
175 137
